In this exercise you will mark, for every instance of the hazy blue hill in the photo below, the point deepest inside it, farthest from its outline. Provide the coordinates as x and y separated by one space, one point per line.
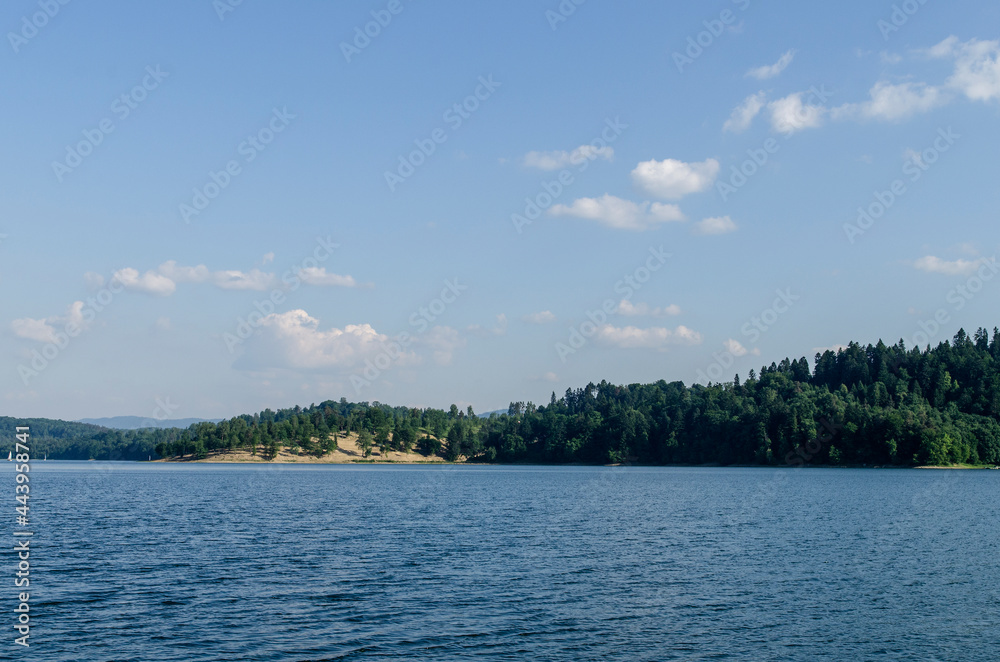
138 422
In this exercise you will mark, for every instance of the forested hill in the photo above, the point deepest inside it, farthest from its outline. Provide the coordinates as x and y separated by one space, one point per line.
875 405
68 440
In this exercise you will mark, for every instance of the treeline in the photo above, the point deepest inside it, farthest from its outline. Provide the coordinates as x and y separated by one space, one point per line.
862 405
874 405
67 440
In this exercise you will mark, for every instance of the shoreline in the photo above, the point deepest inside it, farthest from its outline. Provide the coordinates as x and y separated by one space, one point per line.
223 457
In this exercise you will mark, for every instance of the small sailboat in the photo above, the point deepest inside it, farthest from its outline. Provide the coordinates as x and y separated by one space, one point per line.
10 456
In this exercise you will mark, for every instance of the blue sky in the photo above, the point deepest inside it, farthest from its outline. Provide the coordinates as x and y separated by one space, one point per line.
212 209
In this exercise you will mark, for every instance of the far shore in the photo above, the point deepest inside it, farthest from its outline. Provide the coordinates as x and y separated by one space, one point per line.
348 453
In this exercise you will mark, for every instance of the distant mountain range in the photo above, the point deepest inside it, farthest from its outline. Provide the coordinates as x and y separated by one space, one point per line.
138 422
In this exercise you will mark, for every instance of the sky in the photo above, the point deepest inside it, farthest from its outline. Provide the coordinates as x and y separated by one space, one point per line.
214 207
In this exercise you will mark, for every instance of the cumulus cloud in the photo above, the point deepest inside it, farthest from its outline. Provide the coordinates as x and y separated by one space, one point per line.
619 214
893 102
442 342
772 70
736 348
715 226
45 330
39 330
831 348
744 114
976 75
150 282
547 377
791 114
935 265
294 340
630 337
977 67
563 159
912 155
319 276
543 317
93 280
629 309
163 280
229 279
890 58
498 330
671 179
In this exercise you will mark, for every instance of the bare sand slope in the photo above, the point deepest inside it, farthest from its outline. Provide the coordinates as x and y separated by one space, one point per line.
347 451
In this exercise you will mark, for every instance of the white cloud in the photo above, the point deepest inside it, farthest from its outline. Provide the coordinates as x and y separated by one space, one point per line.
620 214
977 67
893 102
32 329
499 330
832 348
743 115
268 258
319 276
547 377
543 317
45 330
177 273
629 309
150 282
976 75
890 58
736 348
913 155
163 280
960 267
790 114
772 70
229 279
238 280
294 340
714 226
442 342
563 159
671 179
93 280
630 337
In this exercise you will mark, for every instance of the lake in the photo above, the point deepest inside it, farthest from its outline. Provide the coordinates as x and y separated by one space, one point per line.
227 562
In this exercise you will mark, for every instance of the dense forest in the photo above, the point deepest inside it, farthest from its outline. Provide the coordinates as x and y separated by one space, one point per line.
67 440
874 405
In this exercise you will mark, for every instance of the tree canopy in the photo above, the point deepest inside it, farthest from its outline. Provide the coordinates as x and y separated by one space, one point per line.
877 404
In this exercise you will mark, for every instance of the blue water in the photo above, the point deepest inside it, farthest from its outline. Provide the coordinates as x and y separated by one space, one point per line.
222 562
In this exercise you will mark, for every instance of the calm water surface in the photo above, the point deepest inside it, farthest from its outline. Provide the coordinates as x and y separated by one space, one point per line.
217 562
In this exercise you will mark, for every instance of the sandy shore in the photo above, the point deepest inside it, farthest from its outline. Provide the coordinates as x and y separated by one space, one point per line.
346 453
